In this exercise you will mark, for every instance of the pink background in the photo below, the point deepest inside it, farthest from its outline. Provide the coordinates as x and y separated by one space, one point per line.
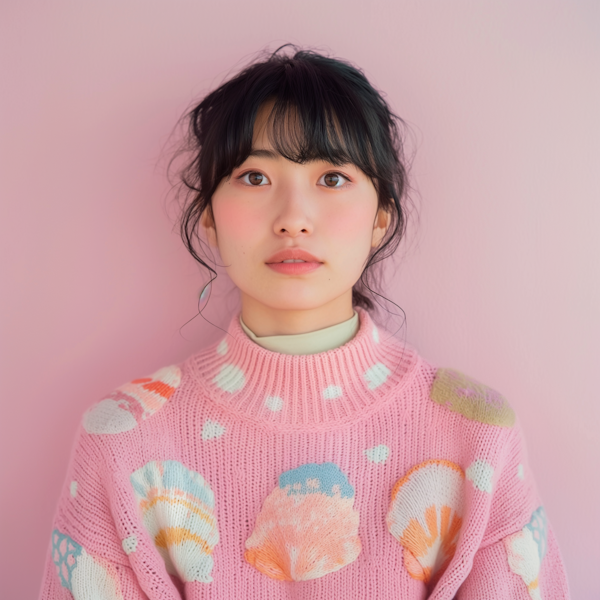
500 280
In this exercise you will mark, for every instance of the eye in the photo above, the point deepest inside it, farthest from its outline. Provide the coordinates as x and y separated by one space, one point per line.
334 180
255 178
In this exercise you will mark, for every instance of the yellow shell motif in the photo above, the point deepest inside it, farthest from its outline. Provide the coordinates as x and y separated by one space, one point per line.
472 399
177 506
425 516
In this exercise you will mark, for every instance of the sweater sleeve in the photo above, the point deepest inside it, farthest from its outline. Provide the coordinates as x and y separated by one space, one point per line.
509 569
519 558
86 557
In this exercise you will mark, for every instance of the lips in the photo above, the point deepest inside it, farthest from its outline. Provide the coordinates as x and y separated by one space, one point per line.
292 254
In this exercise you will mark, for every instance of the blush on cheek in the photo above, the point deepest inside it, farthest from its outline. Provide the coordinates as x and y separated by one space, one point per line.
238 230
351 227
232 220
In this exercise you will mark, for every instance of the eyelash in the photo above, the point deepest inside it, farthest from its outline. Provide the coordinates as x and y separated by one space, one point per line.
348 181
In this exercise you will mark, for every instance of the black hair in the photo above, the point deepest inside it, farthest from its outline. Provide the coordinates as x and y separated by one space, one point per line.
341 118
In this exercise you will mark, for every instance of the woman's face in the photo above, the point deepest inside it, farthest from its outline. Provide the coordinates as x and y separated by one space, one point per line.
269 204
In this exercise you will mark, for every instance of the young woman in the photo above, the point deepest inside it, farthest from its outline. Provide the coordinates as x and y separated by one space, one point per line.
307 453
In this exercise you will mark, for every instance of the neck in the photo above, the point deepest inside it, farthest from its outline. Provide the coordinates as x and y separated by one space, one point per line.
266 321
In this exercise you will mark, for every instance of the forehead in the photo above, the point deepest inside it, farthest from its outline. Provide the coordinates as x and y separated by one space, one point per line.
263 125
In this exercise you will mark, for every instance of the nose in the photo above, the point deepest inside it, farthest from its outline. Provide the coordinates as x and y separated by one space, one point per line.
293 211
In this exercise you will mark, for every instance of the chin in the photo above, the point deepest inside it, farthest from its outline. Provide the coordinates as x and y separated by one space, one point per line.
293 302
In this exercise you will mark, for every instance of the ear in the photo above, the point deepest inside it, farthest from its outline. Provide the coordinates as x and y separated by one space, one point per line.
208 223
382 222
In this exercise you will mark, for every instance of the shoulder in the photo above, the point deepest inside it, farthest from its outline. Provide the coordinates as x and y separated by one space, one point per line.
131 403
472 399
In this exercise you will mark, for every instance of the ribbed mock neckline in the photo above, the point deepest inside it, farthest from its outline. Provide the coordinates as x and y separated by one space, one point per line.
314 391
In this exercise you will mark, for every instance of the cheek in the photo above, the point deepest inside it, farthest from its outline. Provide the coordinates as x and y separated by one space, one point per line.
231 220
237 227
351 229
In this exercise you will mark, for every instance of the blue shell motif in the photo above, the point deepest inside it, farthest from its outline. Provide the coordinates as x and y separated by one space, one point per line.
64 554
538 525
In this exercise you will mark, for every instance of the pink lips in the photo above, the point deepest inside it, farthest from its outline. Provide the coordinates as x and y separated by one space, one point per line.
294 268
292 253
275 262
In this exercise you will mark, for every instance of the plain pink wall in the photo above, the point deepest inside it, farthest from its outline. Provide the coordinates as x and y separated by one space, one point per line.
501 280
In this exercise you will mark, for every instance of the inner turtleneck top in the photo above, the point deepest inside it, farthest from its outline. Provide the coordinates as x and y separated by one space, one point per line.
312 342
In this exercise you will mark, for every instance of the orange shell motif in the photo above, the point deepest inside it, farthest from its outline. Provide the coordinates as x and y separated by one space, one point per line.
307 527
130 404
425 516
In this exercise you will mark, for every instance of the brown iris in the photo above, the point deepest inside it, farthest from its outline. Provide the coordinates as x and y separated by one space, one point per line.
255 178
332 178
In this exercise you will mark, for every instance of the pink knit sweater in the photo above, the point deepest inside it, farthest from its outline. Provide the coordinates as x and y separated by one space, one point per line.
362 472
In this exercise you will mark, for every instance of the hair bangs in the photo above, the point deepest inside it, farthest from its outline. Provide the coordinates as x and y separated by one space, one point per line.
302 135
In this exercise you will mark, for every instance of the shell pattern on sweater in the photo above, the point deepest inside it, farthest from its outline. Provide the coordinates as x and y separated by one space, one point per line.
361 472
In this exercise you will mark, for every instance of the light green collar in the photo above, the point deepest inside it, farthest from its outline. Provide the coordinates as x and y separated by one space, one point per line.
312 342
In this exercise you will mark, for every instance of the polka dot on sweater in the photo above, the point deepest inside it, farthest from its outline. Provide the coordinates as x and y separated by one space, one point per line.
274 403
377 454
212 429
375 333
376 375
332 391
230 378
480 474
129 544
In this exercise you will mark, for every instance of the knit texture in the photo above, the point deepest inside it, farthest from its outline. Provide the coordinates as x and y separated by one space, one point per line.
362 472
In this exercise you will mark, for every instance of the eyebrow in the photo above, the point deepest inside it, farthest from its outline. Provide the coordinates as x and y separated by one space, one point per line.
263 153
